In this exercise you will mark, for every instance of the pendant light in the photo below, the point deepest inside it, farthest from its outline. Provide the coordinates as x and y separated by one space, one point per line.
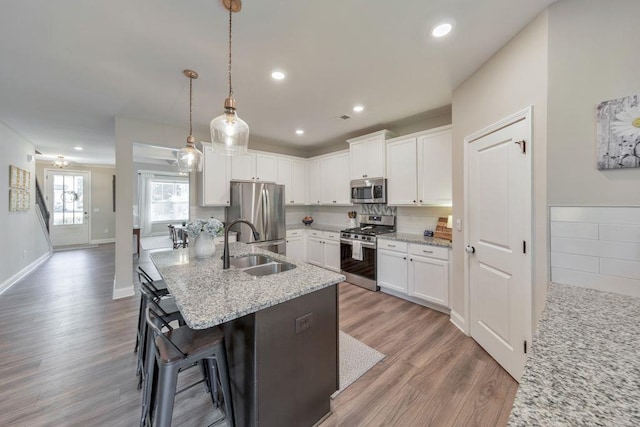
189 157
61 163
229 133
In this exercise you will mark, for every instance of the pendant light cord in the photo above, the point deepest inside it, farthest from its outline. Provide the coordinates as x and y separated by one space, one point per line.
230 21
190 106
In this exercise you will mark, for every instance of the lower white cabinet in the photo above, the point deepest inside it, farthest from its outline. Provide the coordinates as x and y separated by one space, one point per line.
418 271
323 249
296 245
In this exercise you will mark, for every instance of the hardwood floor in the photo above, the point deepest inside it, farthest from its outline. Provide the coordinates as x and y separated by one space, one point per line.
66 357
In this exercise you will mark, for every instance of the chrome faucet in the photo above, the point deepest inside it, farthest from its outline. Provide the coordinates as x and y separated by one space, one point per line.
226 263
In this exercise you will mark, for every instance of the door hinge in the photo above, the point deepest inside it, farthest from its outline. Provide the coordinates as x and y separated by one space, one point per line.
523 145
525 347
524 247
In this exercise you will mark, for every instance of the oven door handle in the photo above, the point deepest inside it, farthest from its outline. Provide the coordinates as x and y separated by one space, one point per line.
368 245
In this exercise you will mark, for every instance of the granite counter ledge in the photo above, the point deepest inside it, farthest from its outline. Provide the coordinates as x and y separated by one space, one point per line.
207 295
319 227
416 238
584 366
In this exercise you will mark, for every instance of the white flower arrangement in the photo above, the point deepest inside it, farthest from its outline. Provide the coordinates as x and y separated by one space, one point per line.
212 227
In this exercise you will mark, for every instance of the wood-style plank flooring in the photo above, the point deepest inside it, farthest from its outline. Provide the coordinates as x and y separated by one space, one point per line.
66 357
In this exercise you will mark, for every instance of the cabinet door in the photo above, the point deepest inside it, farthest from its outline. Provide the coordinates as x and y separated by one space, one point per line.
358 153
434 157
341 182
368 158
266 168
332 255
402 172
328 181
297 193
295 248
214 178
243 167
315 252
284 178
392 270
314 178
429 279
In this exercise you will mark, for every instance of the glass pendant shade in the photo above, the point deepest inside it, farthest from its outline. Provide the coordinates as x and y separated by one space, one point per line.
189 158
229 133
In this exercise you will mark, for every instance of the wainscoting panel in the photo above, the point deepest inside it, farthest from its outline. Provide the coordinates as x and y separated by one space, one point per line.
596 247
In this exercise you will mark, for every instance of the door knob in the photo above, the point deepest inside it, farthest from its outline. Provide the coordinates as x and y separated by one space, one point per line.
470 249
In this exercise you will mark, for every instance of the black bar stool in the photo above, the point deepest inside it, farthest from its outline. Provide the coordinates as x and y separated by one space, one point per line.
158 288
174 350
166 309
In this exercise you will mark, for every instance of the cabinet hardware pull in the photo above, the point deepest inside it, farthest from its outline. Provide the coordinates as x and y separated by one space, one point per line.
420 201
414 201
392 246
427 252
411 259
404 257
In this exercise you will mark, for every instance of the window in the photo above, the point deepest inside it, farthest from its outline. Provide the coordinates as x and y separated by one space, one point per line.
169 199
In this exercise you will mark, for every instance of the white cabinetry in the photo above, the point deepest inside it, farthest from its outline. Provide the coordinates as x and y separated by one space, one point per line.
296 245
293 175
419 169
213 181
367 155
417 272
335 187
313 178
323 249
254 167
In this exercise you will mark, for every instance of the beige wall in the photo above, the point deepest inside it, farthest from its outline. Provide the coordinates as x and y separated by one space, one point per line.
103 221
25 241
513 79
594 56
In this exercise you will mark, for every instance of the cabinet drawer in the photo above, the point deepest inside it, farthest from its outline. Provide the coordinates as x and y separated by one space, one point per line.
392 245
330 235
314 233
429 251
295 233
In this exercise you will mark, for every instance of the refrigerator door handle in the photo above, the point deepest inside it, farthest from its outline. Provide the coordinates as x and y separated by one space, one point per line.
265 212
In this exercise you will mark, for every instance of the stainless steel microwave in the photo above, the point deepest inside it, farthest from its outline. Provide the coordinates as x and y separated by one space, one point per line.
369 190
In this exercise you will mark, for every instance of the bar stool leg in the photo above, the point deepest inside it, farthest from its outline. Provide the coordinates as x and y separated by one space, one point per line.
167 383
148 398
223 372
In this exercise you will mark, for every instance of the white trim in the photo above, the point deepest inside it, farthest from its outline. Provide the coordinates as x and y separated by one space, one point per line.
22 273
122 292
458 321
525 114
103 241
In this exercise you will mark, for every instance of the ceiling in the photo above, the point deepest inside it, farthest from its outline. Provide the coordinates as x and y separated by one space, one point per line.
69 67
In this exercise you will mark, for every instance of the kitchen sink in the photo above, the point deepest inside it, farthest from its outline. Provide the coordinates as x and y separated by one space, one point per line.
268 269
247 261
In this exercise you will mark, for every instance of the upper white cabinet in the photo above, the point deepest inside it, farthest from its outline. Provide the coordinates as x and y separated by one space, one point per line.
367 155
419 169
335 186
293 175
254 167
313 178
213 181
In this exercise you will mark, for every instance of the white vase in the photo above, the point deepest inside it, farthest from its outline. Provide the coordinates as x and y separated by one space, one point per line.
204 246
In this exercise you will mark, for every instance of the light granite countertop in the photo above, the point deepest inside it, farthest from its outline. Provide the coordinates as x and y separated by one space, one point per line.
319 227
584 367
207 295
416 238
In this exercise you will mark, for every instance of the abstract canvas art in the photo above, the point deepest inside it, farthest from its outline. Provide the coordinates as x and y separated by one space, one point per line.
618 131
19 194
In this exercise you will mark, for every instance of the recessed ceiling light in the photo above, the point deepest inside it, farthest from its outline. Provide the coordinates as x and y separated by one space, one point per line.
441 30
278 75
358 108
78 148
299 132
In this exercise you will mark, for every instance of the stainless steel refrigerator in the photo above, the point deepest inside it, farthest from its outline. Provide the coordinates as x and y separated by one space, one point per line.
263 205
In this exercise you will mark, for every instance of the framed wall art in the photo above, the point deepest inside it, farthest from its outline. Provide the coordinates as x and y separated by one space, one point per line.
19 191
618 133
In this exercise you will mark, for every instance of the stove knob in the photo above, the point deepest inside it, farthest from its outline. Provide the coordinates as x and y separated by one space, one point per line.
368 238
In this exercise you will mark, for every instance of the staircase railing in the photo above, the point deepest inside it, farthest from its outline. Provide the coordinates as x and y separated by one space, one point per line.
42 205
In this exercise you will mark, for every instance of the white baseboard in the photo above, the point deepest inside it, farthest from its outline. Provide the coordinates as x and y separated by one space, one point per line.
20 274
122 292
103 241
427 304
458 321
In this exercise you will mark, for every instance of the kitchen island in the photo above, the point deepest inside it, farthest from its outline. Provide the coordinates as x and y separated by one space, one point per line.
584 367
281 331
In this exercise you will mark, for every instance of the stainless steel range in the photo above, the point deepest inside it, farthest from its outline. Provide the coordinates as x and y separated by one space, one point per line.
358 249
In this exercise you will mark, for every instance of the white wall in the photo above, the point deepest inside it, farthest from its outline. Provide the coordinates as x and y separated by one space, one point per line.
594 56
24 239
513 79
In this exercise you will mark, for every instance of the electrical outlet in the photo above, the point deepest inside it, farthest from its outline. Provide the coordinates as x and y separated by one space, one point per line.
458 225
304 322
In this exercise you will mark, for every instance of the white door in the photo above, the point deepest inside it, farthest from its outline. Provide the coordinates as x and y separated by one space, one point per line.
499 230
69 201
